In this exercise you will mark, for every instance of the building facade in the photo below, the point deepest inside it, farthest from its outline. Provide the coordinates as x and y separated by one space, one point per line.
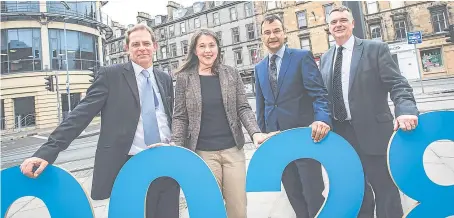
390 21
115 52
305 23
37 37
234 22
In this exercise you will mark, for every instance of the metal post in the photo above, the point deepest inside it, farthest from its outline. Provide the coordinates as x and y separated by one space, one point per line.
58 97
67 71
419 68
19 125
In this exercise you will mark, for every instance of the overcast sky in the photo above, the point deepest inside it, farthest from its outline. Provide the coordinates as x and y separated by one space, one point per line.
125 12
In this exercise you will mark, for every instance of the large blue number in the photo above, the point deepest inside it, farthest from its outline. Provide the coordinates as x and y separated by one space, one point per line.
340 160
200 188
58 189
405 158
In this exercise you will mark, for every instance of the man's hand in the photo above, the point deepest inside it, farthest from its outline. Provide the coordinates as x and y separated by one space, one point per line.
27 166
319 130
406 122
161 144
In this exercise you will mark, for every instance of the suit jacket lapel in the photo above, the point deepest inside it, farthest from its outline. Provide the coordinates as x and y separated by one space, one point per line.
162 91
132 82
225 85
356 57
194 81
329 65
283 70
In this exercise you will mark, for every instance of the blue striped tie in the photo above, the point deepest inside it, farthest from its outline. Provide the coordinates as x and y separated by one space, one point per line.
149 104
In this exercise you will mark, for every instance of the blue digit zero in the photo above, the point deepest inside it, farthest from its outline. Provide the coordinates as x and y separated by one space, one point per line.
58 189
198 183
345 172
405 158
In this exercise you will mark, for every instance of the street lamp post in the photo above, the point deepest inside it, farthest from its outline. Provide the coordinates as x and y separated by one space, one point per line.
66 57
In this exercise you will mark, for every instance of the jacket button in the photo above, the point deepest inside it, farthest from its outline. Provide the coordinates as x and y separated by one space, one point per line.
275 105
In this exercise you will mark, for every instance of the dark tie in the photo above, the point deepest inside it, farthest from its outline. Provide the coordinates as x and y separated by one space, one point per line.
340 113
273 74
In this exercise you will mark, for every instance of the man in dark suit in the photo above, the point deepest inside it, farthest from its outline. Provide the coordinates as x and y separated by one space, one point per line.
290 93
359 74
136 105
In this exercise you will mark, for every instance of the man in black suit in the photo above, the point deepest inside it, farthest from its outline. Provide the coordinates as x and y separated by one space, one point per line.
359 74
136 105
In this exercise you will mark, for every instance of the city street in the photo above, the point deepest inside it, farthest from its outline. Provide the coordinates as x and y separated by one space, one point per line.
79 157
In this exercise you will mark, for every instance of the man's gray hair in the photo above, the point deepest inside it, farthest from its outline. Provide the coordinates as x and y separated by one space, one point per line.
137 27
342 8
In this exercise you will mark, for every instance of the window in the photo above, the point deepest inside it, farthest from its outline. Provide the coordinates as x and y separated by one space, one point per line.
216 18
184 47
397 4
196 23
75 99
219 35
235 35
328 9
372 7
173 50
24 111
20 50
438 20
250 31
165 68
164 52
302 21
375 31
82 50
113 48
171 31
238 57
331 40
162 33
233 13
20 6
254 55
182 28
248 9
86 9
400 29
222 57
174 65
155 56
431 60
271 5
217 3
305 43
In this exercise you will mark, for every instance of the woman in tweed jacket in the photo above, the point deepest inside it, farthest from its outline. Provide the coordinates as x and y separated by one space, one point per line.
210 108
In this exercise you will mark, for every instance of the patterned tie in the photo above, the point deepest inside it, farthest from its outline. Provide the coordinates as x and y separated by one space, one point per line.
273 74
149 104
339 106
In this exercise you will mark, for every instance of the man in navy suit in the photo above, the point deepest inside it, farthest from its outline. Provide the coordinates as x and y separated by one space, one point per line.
290 93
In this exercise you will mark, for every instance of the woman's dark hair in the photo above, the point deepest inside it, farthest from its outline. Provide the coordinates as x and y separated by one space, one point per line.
192 61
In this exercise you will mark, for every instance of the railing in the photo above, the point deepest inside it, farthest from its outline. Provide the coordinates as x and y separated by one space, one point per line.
81 10
20 123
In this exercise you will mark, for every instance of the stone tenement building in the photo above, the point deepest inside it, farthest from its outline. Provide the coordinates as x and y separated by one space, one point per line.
234 23
390 22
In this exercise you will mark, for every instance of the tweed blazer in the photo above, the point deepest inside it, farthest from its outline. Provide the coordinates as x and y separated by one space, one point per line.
187 113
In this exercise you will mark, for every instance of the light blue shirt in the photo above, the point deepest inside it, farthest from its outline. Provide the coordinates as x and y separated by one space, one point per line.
280 55
138 143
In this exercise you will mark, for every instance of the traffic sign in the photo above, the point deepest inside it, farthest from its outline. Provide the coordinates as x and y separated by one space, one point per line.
414 37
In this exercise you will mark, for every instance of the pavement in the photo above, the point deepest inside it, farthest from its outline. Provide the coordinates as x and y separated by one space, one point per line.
438 163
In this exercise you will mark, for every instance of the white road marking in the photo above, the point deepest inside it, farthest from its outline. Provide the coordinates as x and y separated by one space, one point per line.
40 137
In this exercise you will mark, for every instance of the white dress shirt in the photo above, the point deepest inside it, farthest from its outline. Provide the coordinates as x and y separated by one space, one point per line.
347 53
280 55
138 144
